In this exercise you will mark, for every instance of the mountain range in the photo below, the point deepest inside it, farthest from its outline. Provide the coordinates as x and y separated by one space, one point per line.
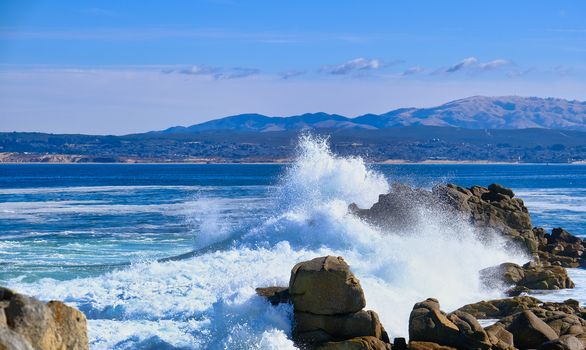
477 112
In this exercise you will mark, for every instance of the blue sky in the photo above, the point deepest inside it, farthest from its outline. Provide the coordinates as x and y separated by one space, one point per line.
131 66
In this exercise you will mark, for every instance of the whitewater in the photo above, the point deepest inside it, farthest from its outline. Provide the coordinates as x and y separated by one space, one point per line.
207 300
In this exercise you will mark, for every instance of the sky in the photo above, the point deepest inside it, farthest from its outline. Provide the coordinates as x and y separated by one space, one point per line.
118 67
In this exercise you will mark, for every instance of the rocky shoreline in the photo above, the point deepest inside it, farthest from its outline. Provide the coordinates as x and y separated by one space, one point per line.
328 301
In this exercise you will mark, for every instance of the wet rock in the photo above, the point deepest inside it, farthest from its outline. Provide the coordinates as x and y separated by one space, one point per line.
529 332
492 210
531 276
566 342
275 295
42 326
325 286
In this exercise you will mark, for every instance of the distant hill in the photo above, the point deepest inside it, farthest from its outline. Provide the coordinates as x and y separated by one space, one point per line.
477 112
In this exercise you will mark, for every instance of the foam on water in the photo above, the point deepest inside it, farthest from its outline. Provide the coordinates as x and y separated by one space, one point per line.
209 302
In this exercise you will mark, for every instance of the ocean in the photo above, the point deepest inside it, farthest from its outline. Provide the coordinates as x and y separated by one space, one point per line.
94 235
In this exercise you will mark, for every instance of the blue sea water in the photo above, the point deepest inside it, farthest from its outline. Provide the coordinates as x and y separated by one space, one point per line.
91 234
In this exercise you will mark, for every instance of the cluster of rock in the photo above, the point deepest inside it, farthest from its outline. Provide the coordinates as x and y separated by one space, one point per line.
493 210
526 277
328 304
560 248
29 324
531 324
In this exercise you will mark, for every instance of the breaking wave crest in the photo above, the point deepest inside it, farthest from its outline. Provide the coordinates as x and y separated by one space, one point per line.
208 301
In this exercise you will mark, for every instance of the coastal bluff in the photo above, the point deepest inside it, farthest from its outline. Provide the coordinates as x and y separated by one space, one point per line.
29 324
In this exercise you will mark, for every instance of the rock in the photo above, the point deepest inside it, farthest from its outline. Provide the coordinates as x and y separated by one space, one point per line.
328 304
546 277
10 340
561 235
565 342
423 345
70 324
529 332
496 188
428 324
500 308
517 291
358 343
312 328
325 286
499 337
531 276
275 295
492 210
399 344
41 326
33 320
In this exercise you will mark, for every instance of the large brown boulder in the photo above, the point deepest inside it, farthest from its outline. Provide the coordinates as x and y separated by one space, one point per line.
328 304
427 323
43 326
529 332
312 328
359 343
325 286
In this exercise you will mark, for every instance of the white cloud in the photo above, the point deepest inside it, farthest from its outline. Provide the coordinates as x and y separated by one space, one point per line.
214 72
466 62
473 64
490 65
357 64
412 70
193 70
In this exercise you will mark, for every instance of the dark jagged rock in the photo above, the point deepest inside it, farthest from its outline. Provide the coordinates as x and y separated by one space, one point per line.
399 344
561 248
29 323
493 210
